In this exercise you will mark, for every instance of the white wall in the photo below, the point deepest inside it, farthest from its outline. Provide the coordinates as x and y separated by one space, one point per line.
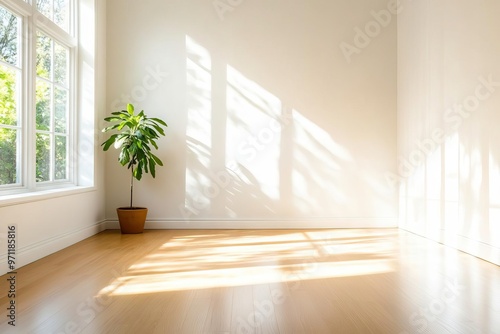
49 223
270 124
449 143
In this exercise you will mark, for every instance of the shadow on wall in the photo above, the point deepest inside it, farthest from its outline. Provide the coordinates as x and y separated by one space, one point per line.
251 156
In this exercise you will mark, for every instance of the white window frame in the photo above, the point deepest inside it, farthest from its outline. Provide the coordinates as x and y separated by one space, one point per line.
78 178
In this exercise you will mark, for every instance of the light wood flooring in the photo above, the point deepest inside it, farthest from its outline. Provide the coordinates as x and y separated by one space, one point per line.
280 281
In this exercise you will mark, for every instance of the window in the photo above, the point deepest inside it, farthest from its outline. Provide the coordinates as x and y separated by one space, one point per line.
37 94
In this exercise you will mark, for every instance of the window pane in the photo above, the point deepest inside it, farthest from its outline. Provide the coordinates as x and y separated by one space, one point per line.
60 107
45 7
42 157
61 14
8 96
61 152
56 10
9 37
8 156
43 56
43 94
61 64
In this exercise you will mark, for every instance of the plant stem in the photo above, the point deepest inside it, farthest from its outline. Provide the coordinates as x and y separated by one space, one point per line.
132 187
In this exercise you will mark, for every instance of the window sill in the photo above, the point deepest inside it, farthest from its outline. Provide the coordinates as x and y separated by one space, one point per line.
42 195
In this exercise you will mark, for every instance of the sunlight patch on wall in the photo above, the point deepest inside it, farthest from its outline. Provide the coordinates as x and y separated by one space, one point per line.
474 217
433 193
250 155
253 132
494 210
433 174
451 185
494 180
319 167
199 118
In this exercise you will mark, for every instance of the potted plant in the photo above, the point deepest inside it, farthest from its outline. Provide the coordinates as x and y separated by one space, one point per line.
135 135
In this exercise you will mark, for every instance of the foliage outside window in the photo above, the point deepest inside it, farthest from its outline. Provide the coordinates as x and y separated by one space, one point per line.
10 74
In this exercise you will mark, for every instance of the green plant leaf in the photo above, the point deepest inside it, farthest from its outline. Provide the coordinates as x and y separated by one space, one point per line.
156 159
112 119
153 143
107 144
158 121
124 157
130 109
112 127
124 124
152 133
152 168
119 141
159 129
138 171
145 147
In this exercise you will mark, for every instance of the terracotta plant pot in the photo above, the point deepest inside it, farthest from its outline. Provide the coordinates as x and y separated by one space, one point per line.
132 220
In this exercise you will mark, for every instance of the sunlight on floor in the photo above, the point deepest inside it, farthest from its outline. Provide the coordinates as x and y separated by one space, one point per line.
205 279
202 261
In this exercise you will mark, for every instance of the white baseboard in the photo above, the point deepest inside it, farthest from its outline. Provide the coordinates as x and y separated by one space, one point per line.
315 223
473 247
34 252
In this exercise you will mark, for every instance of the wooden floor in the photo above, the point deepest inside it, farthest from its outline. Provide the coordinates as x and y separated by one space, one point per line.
317 281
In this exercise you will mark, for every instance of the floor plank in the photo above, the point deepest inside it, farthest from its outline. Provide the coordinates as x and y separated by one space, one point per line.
256 282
